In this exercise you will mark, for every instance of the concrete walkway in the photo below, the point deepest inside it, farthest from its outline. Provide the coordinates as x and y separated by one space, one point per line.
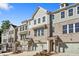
5 54
31 53
25 53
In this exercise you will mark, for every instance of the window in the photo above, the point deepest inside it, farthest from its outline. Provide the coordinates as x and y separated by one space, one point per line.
77 10
52 16
77 27
42 31
34 22
38 20
62 5
35 32
10 39
38 32
29 32
23 37
11 32
44 19
70 28
4 40
22 28
4 34
64 29
25 27
70 12
63 14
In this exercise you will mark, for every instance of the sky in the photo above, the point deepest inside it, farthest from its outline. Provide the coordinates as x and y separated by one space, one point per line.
18 12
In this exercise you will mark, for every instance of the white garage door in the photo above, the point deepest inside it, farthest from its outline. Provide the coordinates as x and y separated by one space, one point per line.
72 48
41 47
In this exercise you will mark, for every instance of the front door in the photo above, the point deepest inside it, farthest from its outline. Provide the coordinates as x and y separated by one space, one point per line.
51 42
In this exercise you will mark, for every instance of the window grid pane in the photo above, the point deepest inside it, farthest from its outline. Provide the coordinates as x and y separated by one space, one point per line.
77 27
62 14
64 29
70 12
77 10
70 28
44 19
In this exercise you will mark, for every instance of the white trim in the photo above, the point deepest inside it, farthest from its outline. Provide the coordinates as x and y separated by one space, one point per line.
67 29
73 28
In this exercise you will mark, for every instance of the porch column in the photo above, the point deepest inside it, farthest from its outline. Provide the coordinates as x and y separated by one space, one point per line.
48 45
54 46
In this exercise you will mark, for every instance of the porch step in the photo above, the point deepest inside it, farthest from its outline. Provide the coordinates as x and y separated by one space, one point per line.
53 38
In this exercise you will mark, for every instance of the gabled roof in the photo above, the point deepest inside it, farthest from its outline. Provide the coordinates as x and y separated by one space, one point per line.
37 11
73 5
13 25
26 20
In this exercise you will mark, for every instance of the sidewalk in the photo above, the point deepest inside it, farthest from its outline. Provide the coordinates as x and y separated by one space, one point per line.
25 53
5 54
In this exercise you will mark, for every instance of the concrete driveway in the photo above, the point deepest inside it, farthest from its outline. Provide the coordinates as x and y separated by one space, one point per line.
66 54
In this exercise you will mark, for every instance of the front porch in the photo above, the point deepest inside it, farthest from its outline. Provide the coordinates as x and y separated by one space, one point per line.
55 44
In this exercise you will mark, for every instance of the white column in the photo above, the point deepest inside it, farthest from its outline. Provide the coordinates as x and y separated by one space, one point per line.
67 29
48 46
73 28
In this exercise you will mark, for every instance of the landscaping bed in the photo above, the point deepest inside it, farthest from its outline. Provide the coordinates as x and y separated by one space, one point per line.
44 53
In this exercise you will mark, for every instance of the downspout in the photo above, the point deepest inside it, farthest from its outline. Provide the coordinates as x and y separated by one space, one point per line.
50 25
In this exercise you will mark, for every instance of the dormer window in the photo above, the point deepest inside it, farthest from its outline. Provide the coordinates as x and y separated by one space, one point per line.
62 5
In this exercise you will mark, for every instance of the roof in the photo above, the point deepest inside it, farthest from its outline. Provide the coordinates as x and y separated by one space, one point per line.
70 6
33 14
37 11
26 20
13 25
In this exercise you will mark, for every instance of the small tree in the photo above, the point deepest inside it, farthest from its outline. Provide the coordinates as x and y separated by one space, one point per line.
5 24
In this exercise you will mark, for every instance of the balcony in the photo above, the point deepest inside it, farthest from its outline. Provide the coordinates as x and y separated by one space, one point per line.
23 32
39 26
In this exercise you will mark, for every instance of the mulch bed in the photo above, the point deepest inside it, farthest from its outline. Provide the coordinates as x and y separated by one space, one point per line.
17 52
44 53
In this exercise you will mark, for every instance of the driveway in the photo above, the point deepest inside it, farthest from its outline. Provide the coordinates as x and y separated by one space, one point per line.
66 54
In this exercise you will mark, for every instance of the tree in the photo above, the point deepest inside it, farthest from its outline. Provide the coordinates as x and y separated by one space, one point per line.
0 34
5 24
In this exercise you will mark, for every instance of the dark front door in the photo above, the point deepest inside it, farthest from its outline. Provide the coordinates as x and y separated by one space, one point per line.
51 42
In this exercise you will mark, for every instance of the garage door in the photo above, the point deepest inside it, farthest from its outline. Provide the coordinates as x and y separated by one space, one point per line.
41 47
72 48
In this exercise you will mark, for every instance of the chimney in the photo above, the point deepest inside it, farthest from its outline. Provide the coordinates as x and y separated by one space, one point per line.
63 5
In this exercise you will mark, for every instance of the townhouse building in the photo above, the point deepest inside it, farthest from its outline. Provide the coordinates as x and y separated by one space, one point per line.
56 30
35 29
9 36
52 31
66 28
